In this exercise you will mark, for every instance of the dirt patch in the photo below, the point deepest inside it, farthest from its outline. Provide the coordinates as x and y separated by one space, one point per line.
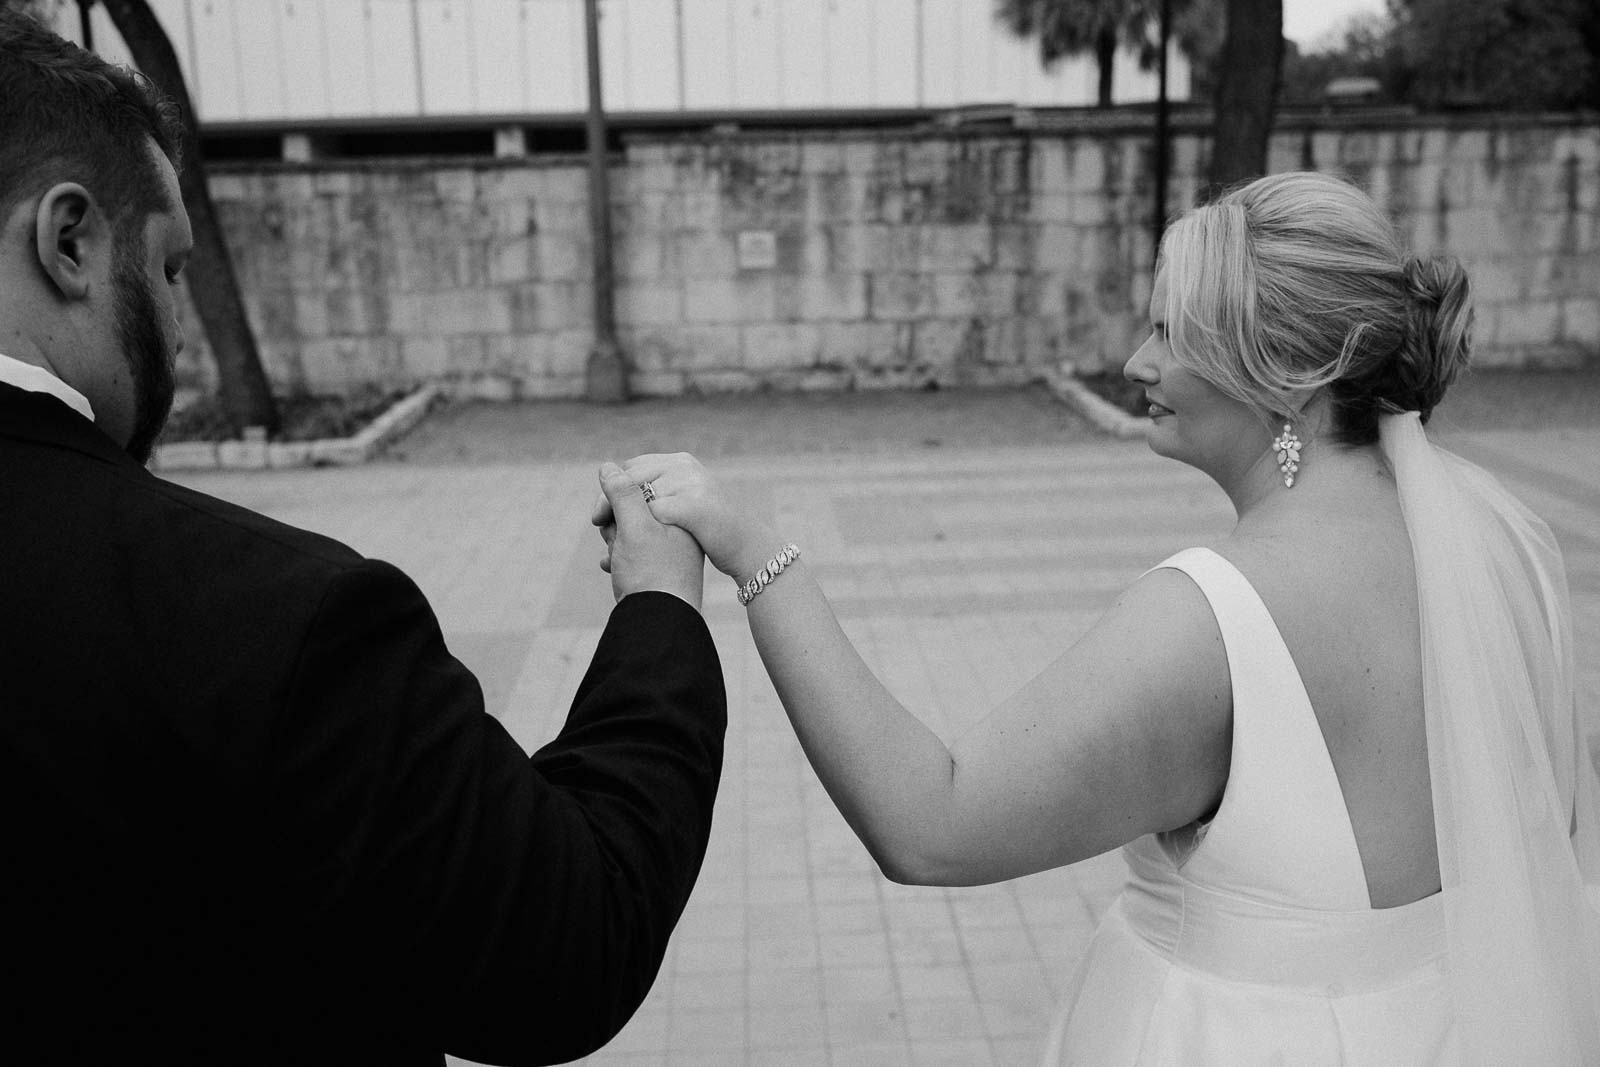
761 423
304 418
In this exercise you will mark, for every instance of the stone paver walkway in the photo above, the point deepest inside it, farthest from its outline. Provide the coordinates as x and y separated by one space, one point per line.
959 571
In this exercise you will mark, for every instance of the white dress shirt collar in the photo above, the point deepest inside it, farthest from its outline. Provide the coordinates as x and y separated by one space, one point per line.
34 379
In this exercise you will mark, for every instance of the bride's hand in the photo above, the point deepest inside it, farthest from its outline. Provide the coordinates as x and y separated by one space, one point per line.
687 496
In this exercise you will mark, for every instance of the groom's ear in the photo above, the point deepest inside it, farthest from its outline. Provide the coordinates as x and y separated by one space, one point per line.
72 239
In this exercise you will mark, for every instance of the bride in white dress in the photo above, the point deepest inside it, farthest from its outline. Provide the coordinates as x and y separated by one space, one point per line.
1339 747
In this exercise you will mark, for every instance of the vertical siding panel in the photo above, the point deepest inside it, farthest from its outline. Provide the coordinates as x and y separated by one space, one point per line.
708 42
1134 84
807 68
650 46
296 59
1179 73
261 59
983 68
498 75
109 45
1128 82
1031 83
852 52
895 30
1018 75
616 67
554 40
306 61
217 60
107 42
1086 72
174 18
944 59
445 38
391 42
347 25
755 55
1071 81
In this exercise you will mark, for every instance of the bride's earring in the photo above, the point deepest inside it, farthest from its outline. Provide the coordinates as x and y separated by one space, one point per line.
1287 446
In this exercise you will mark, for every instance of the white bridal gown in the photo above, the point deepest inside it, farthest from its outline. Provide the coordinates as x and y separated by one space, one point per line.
1251 940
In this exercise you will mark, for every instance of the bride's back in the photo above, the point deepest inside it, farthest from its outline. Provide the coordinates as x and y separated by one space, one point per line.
1295 344
1334 568
1291 303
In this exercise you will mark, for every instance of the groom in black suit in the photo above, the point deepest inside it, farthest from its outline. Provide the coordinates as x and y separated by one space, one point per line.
251 808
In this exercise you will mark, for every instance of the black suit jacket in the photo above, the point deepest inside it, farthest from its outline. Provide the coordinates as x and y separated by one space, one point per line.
252 810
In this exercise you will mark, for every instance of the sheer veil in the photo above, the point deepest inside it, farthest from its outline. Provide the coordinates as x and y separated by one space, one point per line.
1513 763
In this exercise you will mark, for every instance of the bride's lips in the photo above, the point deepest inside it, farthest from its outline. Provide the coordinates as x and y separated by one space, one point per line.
1156 410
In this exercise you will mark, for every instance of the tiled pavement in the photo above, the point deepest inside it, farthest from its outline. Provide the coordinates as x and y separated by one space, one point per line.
959 573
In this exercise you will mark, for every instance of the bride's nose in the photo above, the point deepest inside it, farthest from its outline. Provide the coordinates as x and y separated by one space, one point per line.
1140 368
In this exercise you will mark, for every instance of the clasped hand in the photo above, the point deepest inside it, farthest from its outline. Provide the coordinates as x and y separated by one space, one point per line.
689 504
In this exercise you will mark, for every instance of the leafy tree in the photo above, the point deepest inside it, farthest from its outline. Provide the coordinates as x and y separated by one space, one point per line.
1199 27
1589 30
1243 77
1502 53
246 396
1072 27
1438 53
1369 47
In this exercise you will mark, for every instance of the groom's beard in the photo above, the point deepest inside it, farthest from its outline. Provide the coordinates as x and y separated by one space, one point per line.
150 363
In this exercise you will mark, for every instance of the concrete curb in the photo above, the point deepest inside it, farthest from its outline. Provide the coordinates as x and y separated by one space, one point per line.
277 455
1105 415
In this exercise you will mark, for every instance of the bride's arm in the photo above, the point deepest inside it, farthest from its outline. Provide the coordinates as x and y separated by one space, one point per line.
1125 733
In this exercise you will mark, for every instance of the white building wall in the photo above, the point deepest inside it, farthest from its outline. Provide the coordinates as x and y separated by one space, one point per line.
287 60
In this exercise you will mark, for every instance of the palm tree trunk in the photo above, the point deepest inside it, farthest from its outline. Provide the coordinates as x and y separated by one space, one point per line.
1105 56
1247 91
246 396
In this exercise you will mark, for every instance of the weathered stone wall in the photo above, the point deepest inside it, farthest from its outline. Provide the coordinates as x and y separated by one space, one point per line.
1515 198
854 260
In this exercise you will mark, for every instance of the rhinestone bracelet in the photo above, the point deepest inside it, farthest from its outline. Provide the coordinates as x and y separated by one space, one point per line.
775 566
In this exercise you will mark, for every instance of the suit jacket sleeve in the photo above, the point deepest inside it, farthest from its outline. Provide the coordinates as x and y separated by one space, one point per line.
515 908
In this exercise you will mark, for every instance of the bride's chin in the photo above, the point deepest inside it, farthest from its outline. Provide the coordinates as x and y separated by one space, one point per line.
1160 443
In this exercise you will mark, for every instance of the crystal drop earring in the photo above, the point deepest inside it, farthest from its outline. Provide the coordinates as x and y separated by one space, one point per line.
1287 446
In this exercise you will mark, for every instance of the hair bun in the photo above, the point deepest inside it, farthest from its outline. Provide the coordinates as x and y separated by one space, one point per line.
1438 341
1428 280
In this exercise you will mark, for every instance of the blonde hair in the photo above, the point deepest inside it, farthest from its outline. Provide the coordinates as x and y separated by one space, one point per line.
1297 282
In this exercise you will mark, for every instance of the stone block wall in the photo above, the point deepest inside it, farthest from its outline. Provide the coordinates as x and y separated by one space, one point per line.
849 260
1515 198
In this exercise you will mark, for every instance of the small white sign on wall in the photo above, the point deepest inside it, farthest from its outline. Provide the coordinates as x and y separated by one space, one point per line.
758 250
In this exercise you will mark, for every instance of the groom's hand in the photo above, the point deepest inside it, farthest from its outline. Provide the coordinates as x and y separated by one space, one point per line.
643 553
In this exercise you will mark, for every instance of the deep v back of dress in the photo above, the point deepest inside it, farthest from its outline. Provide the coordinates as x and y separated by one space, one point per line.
1282 833
1250 939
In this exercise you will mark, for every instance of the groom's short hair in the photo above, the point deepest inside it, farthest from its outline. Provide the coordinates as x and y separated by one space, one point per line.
68 115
